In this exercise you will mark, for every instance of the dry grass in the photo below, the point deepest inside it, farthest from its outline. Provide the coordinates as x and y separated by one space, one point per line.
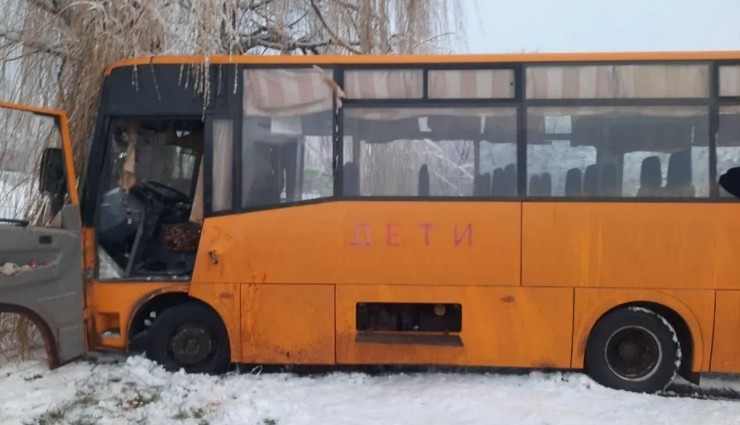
20 339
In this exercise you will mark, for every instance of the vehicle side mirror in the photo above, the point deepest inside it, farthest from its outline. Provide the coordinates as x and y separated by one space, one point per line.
52 179
730 181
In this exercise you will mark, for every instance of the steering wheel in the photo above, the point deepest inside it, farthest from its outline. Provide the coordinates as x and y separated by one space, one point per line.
165 192
14 222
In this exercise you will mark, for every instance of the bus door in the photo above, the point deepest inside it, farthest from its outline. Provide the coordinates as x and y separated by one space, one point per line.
40 234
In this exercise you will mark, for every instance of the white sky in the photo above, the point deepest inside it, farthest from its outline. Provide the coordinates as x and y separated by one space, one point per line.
504 26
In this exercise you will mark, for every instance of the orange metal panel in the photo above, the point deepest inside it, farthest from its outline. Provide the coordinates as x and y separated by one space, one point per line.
34 109
288 324
726 345
88 248
111 302
120 300
225 299
450 243
694 306
511 327
637 245
291 245
429 59
69 165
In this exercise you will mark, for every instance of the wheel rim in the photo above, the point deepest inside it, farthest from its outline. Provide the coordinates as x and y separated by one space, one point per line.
192 345
633 353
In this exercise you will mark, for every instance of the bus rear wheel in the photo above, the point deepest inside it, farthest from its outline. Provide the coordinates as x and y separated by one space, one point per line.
189 336
633 349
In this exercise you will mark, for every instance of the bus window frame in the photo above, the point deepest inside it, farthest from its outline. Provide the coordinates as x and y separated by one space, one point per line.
338 128
629 102
518 101
432 104
236 112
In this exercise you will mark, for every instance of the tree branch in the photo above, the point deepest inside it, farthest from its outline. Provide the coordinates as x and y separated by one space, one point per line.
37 45
338 41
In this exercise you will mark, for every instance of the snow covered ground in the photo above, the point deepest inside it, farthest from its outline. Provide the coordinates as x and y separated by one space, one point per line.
114 390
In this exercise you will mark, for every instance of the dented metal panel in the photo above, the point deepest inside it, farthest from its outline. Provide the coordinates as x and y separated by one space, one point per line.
42 277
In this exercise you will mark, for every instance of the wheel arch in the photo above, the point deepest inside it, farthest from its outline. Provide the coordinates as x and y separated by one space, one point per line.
50 343
679 315
190 336
157 302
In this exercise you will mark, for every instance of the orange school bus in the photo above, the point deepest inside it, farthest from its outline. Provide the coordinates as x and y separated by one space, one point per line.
529 211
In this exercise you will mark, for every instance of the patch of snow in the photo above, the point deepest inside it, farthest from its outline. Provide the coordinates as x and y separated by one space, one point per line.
136 390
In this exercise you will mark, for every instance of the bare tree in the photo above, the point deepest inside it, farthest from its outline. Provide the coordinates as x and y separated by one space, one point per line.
53 52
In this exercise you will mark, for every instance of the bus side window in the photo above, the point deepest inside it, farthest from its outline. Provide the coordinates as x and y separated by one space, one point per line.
621 151
430 152
286 139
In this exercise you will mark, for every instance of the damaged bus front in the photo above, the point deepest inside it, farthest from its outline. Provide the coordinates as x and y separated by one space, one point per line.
40 233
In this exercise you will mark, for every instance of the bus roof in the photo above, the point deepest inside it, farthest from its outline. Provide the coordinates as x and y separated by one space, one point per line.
426 59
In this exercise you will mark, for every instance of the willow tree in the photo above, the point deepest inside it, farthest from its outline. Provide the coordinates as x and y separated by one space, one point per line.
53 52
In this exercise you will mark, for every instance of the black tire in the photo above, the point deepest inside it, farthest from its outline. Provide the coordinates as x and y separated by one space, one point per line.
189 336
633 349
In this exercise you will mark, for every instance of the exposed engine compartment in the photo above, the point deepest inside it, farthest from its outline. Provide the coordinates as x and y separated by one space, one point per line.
409 317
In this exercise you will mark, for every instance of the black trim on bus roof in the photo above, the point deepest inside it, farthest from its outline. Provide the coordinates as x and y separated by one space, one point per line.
153 90
452 66
617 102
542 64
514 102
429 103
391 66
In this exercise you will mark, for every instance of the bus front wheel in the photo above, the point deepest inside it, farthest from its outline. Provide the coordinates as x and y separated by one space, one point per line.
189 336
633 349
